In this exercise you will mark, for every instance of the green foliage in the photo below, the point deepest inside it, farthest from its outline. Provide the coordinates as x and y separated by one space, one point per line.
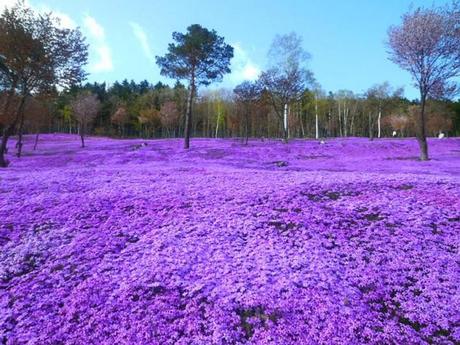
37 53
199 55
66 112
455 107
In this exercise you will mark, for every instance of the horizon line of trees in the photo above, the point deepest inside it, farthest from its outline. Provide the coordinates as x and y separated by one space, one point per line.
130 110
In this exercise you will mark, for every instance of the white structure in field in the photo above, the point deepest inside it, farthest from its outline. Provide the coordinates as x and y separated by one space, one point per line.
441 135
395 133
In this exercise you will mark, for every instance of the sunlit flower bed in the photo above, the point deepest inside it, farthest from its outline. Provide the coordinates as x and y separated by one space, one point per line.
346 242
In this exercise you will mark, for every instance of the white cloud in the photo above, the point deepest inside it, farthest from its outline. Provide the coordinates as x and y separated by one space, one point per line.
95 29
242 67
141 36
99 46
104 62
250 71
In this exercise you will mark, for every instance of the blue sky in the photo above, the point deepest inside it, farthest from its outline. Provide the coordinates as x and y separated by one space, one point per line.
346 38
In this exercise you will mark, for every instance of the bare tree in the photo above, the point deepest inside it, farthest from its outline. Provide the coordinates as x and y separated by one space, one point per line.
119 118
169 115
427 45
247 93
38 115
150 120
398 122
85 108
287 76
380 99
318 93
344 100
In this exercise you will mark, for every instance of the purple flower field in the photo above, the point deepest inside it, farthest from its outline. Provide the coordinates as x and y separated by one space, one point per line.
347 242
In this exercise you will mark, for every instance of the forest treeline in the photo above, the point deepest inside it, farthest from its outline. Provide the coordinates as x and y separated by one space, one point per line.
128 109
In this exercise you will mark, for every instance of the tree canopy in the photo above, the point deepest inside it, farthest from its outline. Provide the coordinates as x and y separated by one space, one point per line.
37 56
199 55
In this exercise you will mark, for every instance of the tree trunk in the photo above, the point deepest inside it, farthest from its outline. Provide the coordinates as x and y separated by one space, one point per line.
379 124
9 98
421 135
188 114
247 127
316 120
20 132
9 131
217 127
302 128
371 131
36 140
340 122
82 136
285 123
345 120
352 123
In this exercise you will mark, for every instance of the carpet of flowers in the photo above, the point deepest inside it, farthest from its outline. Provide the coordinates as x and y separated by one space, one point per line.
141 242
